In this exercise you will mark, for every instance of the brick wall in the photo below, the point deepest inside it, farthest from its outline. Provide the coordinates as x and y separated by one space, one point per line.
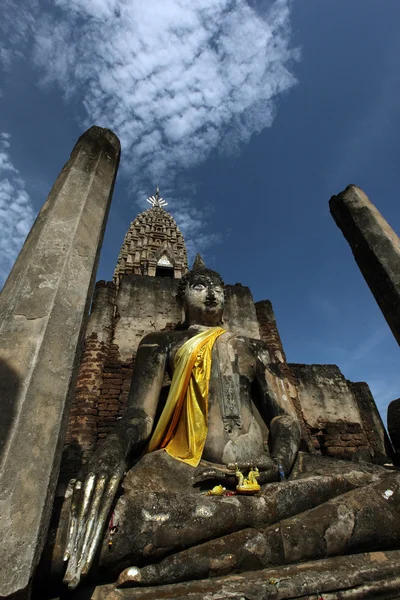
378 439
331 412
114 391
270 335
340 439
240 314
144 304
81 436
269 331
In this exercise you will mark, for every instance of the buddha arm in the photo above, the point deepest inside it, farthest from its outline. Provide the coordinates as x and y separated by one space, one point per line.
136 424
284 428
95 489
285 433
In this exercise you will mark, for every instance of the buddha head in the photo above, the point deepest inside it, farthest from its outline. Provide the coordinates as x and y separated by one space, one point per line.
202 294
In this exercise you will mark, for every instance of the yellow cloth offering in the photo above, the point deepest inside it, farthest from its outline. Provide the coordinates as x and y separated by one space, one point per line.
183 424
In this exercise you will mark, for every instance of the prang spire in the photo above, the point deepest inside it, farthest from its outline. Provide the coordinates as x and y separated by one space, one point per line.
153 245
157 201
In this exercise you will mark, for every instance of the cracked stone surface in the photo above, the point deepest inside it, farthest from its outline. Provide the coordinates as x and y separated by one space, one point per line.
376 249
43 311
366 575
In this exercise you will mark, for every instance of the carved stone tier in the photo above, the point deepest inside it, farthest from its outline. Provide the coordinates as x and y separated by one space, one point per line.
153 246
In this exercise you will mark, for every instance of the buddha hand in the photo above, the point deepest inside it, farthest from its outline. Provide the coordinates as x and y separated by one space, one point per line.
266 465
93 495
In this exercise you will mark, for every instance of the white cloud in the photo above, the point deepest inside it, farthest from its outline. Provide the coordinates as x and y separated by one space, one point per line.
175 79
192 222
16 211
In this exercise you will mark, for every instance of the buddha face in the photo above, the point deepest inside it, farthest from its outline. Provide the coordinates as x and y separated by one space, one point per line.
204 300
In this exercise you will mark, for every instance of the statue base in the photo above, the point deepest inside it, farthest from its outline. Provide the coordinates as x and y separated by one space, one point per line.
370 574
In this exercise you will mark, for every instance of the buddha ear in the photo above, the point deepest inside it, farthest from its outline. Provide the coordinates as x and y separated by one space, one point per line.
198 263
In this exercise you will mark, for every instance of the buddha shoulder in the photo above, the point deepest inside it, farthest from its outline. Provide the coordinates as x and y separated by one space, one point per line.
163 340
256 347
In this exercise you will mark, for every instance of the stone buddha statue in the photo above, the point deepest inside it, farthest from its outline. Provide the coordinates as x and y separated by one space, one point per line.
226 413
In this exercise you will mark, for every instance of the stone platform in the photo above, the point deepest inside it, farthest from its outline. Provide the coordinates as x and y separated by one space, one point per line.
356 576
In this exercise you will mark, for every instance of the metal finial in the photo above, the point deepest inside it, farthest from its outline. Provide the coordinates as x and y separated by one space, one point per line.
157 201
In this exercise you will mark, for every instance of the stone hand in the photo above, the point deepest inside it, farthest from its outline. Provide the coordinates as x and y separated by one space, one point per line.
207 473
269 471
267 466
91 502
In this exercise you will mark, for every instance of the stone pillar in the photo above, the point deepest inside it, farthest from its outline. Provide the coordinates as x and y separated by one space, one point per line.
374 428
376 248
393 422
81 437
43 310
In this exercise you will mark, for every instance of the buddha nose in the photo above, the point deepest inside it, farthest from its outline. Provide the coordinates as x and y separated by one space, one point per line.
210 293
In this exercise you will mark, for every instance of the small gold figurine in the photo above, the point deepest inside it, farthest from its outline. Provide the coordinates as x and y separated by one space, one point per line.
218 490
248 485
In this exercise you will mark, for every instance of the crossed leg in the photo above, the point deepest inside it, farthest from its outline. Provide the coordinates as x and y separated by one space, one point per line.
161 513
362 519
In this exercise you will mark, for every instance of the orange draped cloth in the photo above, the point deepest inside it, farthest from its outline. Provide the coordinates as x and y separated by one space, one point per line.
183 425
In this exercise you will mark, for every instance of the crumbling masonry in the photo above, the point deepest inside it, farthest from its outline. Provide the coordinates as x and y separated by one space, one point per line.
338 418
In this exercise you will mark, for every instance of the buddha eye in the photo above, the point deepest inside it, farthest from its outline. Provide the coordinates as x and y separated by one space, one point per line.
199 286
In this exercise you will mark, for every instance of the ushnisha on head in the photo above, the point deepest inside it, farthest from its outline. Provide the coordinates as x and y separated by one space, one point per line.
202 293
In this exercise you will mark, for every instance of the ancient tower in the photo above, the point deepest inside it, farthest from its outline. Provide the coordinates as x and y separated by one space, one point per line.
153 245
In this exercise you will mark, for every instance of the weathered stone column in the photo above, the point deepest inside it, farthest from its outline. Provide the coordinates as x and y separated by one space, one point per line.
393 422
376 248
43 312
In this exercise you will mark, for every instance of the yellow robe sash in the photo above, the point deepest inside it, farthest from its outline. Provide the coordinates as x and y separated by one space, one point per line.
183 425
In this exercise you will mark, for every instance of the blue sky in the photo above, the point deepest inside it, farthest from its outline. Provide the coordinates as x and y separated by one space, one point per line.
249 115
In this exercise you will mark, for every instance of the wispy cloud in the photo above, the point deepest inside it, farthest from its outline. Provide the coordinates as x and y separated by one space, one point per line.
175 79
16 210
344 352
366 347
192 222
